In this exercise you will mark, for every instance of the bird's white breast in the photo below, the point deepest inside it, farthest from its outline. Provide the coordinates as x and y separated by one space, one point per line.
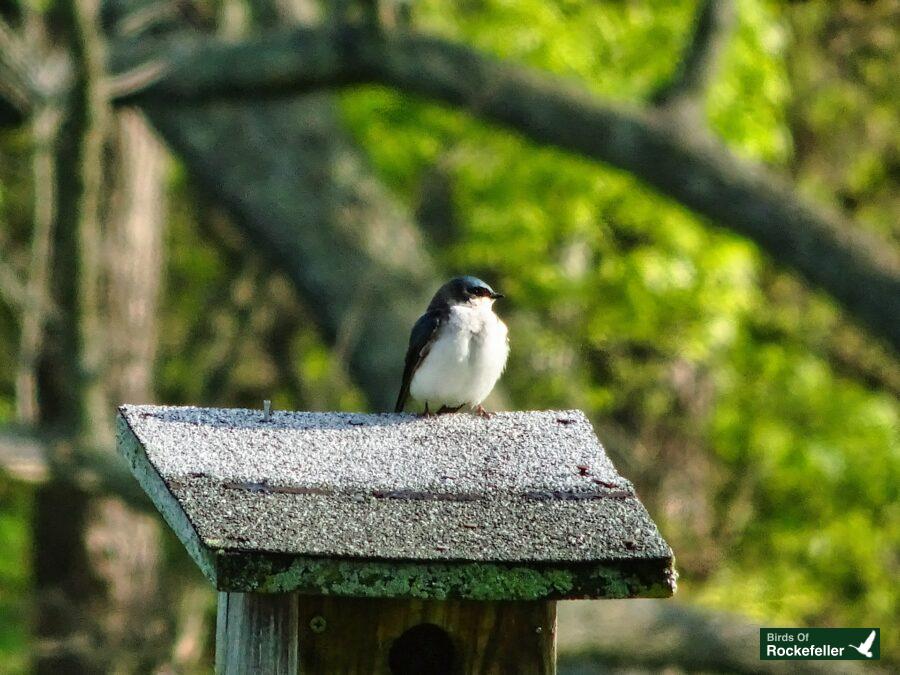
465 361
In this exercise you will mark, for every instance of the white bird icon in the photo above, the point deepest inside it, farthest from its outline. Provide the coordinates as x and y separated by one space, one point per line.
865 647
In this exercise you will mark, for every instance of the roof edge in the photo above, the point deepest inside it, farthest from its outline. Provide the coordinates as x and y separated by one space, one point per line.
262 572
131 448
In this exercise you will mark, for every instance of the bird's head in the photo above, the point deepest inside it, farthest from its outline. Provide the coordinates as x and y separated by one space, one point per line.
464 290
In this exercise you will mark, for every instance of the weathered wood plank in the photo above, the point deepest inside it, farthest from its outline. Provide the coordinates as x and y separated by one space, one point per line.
363 636
257 633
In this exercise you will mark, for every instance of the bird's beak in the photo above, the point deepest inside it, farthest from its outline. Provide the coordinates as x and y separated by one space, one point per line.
496 296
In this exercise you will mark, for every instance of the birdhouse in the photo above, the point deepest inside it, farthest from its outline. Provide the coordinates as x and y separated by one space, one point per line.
352 543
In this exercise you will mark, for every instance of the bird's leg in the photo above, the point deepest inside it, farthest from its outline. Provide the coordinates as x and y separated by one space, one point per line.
447 409
427 412
481 412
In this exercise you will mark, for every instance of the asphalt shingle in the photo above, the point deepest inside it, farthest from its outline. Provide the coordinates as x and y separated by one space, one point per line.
520 490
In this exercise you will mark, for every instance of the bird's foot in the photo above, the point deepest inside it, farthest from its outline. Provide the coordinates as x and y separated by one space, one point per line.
481 412
426 412
447 409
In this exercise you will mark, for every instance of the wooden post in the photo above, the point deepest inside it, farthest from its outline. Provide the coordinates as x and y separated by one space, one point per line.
358 636
257 633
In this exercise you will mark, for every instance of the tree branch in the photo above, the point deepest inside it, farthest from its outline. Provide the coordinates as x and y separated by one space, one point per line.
33 72
23 456
18 92
12 290
90 53
37 458
315 210
683 163
609 636
699 62
45 125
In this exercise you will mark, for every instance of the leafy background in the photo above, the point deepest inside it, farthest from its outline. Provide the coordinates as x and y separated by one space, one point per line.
759 424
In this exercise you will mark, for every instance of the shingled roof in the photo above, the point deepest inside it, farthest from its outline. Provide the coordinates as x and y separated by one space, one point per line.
524 505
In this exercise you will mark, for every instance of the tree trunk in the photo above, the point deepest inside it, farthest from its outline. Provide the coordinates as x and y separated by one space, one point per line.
135 254
101 605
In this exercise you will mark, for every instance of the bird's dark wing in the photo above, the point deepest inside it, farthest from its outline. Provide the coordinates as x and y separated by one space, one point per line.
420 340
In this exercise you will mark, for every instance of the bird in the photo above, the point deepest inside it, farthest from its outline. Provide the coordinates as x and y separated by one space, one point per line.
865 648
457 349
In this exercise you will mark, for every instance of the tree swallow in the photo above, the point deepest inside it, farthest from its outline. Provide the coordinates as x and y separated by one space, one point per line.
457 349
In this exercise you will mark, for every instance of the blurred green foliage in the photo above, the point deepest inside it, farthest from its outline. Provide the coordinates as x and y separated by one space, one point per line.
15 575
693 355
761 428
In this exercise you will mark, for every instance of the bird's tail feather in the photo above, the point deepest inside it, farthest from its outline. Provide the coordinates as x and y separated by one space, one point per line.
401 399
